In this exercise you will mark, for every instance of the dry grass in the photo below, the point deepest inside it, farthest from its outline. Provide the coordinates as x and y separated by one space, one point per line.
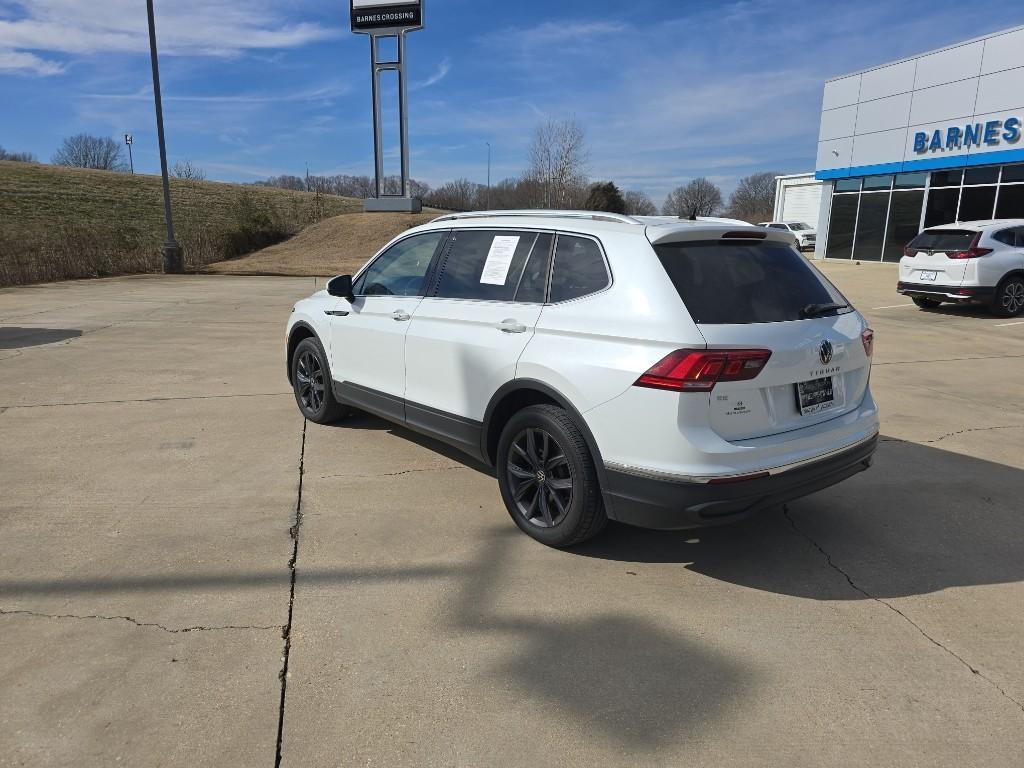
60 223
335 246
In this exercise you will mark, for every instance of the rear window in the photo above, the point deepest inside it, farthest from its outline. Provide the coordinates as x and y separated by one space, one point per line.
723 282
943 240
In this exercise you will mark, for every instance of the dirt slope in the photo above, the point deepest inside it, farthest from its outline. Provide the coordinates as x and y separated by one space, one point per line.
334 246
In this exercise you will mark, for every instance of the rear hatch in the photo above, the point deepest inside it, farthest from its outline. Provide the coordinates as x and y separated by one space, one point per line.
930 257
763 295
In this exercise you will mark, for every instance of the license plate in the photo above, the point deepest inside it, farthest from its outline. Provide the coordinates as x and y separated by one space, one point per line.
815 396
928 277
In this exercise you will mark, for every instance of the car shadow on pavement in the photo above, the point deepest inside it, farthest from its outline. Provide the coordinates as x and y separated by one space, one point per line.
13 337
979 311
919 521
361 420
639 684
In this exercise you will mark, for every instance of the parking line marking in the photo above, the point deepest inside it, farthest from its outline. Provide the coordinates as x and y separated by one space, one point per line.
893 306
1003 325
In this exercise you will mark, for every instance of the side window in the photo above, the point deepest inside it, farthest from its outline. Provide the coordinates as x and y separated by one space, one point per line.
535 277
1007 236
400 270
579 268
486 265
778 226
1020 237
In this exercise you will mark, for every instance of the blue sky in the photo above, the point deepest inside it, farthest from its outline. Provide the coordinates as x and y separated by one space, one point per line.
666 90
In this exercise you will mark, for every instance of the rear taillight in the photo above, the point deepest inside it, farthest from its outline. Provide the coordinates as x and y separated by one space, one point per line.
868 340
972 252
909 252
687 370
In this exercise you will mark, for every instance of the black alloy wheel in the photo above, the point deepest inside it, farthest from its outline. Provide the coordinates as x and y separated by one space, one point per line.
310 383
540 477
1010 298
548 478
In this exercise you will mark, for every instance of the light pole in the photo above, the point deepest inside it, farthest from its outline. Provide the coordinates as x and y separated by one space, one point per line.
173 262
128 138
488 175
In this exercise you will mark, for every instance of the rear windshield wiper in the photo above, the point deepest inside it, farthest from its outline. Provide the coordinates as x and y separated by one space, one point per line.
817 310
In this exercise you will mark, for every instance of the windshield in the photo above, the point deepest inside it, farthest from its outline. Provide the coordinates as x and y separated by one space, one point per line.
798 226
726 282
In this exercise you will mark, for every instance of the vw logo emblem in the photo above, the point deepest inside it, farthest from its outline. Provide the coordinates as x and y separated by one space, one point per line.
825 352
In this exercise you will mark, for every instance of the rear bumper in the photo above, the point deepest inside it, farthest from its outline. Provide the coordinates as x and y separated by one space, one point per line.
967 293
654 502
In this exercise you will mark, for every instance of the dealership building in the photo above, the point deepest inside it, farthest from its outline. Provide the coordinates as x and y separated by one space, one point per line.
929 140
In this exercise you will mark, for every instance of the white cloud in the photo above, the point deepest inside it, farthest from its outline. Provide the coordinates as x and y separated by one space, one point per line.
19 61
184 27
440 74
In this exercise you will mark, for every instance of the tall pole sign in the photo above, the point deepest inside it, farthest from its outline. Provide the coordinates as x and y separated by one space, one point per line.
382 19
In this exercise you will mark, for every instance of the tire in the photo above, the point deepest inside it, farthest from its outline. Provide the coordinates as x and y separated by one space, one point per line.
315 401
1009 298
547 477
924 303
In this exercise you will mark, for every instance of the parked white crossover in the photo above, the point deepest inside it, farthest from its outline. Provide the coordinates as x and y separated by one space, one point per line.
666 375
968 262
806 236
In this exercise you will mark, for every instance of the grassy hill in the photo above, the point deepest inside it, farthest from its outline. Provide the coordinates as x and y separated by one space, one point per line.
334 246
60 223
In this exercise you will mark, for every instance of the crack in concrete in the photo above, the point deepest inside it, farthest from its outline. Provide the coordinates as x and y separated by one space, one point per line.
396 474
130 620
950 434
145 400
287 631
857 588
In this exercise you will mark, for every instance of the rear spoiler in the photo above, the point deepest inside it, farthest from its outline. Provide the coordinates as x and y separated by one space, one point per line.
663 234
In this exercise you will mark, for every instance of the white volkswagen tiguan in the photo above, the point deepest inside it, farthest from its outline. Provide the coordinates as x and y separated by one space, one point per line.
665 375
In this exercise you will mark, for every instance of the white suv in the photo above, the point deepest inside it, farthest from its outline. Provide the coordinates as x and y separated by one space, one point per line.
666 375
967 262
805 234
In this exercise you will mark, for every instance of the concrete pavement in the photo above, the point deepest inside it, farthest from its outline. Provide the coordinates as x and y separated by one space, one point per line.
158 484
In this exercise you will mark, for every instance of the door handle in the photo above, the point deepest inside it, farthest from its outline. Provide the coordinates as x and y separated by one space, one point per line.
401 316
511 326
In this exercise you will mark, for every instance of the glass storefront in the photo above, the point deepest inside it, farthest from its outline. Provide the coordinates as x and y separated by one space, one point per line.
873 218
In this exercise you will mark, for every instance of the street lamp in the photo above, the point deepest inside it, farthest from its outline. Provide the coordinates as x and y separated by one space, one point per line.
128 138
488 175
173 261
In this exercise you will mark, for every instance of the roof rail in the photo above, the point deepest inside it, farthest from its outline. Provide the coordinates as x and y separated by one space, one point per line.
593 215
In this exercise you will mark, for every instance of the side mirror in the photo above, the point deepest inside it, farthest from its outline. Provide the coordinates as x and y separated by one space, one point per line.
341 287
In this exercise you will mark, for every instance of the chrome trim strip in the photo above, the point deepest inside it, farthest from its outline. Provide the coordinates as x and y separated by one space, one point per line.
655 474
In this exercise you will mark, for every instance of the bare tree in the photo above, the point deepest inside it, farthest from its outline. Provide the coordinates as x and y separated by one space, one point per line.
698 198
17 157
638 203
459 195
558 162
186 170
754 198
85 151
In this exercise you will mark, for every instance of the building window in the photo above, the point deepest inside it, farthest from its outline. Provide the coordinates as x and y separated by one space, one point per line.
871 226
1011 201
904 221
977 203
876 225
989 175
875 183
840 227
947 178
941 206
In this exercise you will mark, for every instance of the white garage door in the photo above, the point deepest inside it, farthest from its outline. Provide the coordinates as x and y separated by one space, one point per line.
800 203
